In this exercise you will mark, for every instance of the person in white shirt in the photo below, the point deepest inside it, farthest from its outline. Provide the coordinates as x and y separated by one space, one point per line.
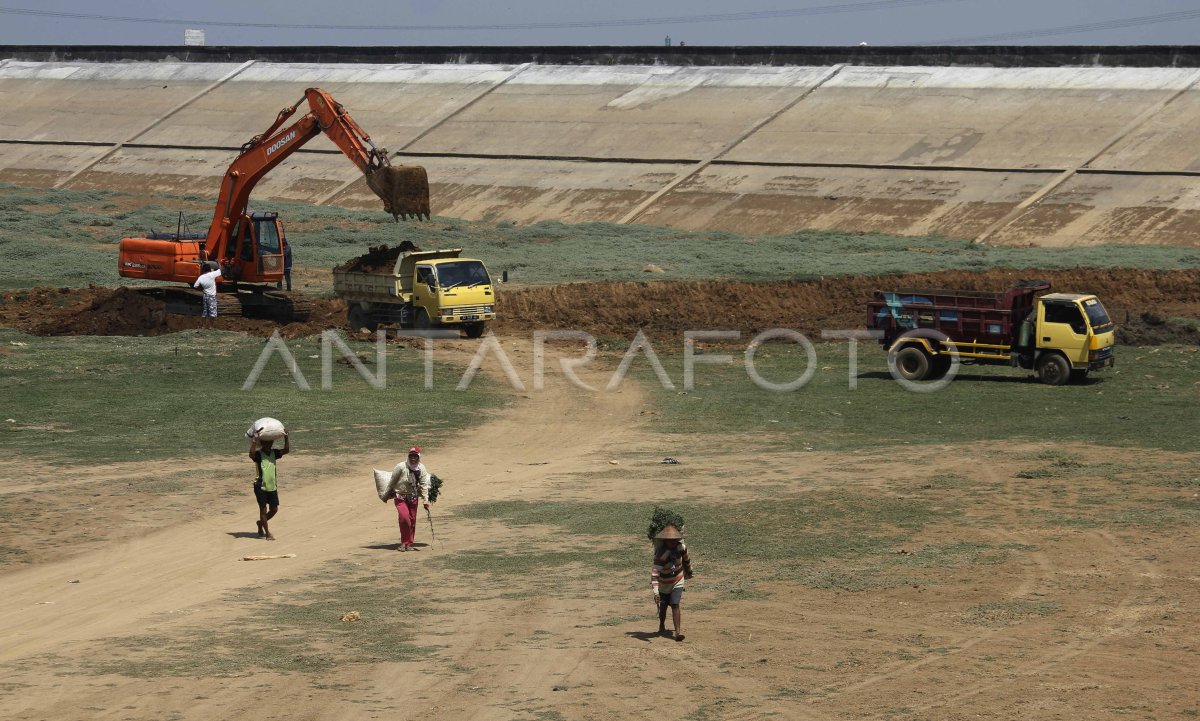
208 283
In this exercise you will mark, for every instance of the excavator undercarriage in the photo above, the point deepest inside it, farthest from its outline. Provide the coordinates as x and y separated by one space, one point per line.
280 306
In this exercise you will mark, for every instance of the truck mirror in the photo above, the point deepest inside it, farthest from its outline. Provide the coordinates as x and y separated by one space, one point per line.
504 277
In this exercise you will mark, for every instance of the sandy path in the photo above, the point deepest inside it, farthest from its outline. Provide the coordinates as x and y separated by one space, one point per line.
123 587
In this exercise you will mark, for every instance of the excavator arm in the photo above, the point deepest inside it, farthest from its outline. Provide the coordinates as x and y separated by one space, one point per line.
404 190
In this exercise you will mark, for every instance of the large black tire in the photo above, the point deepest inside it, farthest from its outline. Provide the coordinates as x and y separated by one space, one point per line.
912 363
1053 369
359 318
474 330
939 366
422 321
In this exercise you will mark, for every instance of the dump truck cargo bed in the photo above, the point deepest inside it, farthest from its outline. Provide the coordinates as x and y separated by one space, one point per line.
963 315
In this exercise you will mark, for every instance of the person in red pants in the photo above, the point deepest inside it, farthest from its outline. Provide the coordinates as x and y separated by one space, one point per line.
410 485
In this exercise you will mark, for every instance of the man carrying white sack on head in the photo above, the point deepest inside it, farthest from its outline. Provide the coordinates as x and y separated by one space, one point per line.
263 434
410 483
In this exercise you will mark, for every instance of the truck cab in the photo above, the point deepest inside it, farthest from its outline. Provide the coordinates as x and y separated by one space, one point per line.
452 292
421 289
1075 327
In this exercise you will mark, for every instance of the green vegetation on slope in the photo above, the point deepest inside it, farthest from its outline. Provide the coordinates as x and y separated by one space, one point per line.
63 237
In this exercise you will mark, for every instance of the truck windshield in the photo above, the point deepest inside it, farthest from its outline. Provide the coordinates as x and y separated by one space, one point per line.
462 273
1097 316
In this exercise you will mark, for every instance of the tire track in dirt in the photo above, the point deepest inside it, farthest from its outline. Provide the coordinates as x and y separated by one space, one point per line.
1049 570
1040 578
1128 622
964 642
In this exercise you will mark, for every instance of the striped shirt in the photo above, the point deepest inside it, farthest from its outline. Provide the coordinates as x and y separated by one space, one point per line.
671 568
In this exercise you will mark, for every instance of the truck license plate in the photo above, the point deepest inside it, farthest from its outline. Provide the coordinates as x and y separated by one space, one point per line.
470 317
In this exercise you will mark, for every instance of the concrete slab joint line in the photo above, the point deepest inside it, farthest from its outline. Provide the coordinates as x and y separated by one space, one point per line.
691 172
155 123
1144 117
432 127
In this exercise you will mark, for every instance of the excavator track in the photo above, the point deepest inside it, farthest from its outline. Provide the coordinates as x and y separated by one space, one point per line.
269 304
294 305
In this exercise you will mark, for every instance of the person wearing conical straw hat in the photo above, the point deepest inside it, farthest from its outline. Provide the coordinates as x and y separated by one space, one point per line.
671 568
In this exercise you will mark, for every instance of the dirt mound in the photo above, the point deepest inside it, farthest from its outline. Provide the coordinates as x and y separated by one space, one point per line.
125 311
404 190
1146 305
119 312
668 309
1152 329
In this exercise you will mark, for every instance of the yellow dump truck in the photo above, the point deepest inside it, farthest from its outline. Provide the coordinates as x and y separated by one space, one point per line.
1060 336
422 289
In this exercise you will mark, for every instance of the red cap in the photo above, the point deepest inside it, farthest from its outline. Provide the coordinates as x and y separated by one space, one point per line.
414 449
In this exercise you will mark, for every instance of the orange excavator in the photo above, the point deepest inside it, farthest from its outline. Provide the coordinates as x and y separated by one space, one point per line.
248 247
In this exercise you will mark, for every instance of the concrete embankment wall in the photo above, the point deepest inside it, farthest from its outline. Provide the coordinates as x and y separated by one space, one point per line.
1049 155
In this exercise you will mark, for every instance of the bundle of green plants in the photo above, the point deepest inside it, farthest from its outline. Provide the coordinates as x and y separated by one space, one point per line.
661 518
435 488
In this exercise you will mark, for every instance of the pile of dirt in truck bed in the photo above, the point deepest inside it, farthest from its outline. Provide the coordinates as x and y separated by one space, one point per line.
1149 307
380 259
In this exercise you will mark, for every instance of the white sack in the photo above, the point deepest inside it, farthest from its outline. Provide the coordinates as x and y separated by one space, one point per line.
383 484
268 429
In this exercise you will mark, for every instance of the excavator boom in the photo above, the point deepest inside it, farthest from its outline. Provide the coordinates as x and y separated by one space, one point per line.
265 151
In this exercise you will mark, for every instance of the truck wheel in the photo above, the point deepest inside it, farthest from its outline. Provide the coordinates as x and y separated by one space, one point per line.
474 330
912 363
359 318
422 321
1079 376
1053 369
939 366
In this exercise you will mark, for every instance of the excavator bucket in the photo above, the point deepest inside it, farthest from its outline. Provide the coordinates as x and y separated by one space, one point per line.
404 190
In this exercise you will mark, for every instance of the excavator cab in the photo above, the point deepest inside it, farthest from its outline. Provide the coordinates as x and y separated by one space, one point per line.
256 255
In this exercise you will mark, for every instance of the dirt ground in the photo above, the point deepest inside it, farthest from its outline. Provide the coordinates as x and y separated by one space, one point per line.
1075 621
1145 305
